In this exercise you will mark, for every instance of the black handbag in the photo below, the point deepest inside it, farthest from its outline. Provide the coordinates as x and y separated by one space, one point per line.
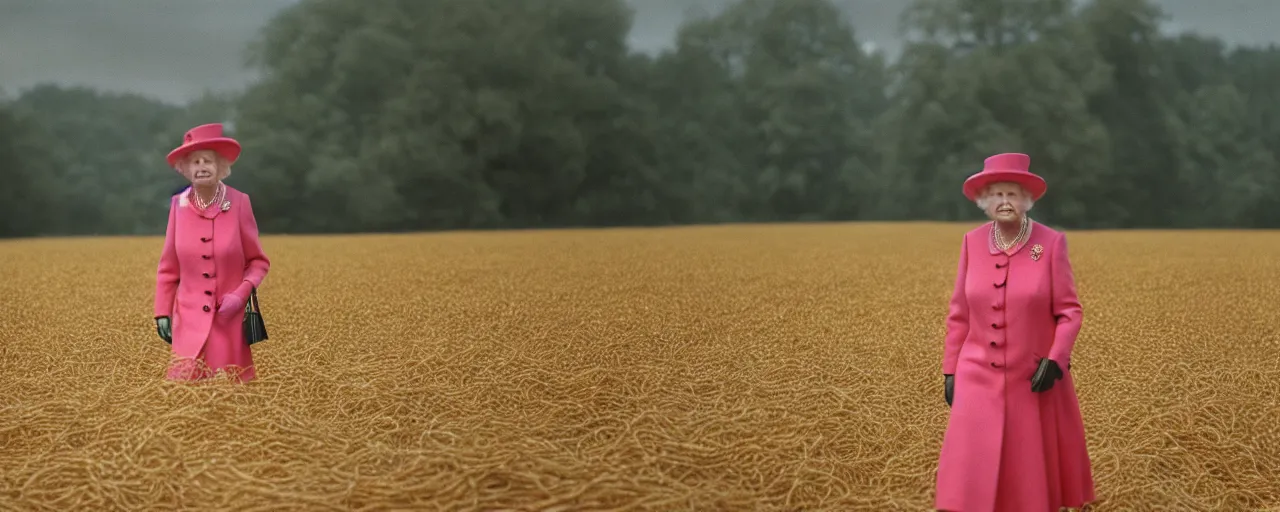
255 329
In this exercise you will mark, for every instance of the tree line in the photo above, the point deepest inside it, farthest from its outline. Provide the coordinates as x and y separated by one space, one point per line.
479 114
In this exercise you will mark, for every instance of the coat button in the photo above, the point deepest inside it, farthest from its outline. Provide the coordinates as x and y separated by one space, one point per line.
203 239
204 256
996 326
994 365
997 306
206 308
208 292
998 285
206 274
993 343
999 265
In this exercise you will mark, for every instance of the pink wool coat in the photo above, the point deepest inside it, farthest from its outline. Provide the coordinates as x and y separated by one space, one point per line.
1006 447
208 255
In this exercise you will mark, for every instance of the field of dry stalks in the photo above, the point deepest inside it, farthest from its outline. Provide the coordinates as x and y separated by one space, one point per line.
703 368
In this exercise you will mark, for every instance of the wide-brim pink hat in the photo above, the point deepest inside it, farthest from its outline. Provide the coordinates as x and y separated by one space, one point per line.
206 136
1011 167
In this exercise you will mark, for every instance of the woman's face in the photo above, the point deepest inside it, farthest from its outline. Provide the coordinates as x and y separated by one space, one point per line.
201 168
1005 202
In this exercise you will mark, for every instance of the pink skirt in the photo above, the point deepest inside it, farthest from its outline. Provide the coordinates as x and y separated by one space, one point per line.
224 355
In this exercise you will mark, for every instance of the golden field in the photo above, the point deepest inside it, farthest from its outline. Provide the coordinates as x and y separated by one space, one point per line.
703 368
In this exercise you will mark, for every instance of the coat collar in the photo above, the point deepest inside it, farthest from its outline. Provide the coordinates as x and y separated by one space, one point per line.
991 243
223 203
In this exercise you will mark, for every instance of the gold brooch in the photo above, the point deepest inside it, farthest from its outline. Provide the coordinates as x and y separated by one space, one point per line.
226 205
1035 251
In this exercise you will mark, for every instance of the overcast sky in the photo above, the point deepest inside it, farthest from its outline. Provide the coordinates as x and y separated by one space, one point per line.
175 49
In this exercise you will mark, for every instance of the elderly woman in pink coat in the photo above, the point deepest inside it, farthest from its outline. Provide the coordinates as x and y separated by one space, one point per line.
211 261
1015 439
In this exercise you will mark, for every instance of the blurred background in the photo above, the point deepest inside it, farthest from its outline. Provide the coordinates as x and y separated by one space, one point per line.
401 115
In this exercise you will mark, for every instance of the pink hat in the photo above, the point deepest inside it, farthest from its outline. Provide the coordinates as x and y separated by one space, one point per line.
1005 167
206 136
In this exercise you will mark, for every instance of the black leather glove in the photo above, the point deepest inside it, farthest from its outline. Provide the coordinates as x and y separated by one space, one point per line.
1045 375
950 384
164 327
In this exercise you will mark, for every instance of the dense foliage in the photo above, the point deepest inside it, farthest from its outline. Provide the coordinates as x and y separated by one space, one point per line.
466 114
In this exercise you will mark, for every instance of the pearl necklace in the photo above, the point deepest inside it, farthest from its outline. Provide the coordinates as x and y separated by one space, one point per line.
999 236
202 205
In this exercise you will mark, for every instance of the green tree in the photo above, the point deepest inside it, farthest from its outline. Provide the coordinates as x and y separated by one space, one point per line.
410 115
29 202
994 76
109 170
1138 110
1254 72
1225 172
477 113
775 99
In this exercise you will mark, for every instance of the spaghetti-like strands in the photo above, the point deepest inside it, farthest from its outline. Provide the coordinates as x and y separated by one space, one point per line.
718 368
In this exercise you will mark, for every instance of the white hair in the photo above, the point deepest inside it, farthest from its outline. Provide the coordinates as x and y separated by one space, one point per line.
984 199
